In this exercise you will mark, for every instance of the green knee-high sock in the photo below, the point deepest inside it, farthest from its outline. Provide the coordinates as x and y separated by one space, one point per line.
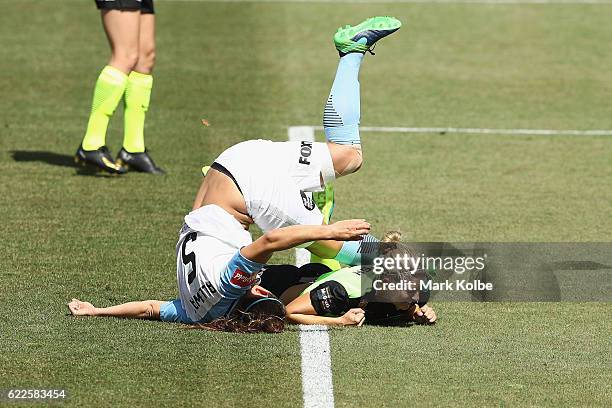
137 97
110 87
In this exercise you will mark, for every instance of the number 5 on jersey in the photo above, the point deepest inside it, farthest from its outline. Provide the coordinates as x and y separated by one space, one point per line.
190 258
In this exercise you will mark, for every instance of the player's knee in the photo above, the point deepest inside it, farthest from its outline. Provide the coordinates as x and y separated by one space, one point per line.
146 61
348 160
149 310
125 59
356 160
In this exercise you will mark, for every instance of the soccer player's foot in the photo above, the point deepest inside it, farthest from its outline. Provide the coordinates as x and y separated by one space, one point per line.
138 161
100 158
78 308
364 35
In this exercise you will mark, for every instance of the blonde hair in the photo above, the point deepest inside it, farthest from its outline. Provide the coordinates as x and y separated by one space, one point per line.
392 236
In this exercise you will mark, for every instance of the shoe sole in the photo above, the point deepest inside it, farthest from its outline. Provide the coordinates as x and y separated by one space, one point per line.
127 168
79 161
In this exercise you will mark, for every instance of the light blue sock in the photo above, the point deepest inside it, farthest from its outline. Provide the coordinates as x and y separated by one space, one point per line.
358 252
342 111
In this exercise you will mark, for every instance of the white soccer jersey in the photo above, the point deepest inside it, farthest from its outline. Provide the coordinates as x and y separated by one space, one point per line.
277 180
211 273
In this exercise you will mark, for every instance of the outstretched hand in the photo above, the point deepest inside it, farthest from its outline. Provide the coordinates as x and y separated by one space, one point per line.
424 315
354 317
349 230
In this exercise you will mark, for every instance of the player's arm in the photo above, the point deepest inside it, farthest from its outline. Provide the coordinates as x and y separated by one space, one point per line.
289 237
301 311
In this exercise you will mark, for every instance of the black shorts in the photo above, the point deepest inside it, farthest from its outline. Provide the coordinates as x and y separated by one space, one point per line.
279 278
145 6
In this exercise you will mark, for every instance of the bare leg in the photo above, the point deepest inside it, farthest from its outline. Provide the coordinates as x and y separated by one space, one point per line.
138 92
347 159
121 29
146 44
123 32
146 309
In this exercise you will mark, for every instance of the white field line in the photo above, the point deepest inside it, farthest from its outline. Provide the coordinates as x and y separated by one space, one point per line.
485 131
317 383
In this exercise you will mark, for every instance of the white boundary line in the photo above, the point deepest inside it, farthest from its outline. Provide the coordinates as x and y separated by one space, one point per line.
303 130
317 383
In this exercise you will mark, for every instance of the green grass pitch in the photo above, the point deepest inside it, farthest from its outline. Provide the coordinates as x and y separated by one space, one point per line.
252 69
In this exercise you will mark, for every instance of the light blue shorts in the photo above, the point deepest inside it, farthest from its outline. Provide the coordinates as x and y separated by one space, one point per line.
172 311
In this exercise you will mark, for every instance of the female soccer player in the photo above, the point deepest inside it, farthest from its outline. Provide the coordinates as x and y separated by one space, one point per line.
217 274
346 296
271 183
130 29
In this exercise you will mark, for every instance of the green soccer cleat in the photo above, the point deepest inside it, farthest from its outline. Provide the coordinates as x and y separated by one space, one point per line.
363 36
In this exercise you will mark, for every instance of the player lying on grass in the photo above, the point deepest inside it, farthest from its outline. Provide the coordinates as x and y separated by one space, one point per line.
217 274
345 296
271 183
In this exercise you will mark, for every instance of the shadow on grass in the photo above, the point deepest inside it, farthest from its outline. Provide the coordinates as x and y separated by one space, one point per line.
55 159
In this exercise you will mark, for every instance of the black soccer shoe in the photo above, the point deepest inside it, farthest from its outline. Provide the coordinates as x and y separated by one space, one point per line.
138 161
100 158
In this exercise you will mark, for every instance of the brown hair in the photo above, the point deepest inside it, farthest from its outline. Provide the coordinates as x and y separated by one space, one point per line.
267 316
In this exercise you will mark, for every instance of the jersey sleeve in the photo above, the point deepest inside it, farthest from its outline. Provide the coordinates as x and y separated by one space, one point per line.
330 298
240 273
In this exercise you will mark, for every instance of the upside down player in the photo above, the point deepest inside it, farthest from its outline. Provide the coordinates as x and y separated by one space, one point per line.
269 184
